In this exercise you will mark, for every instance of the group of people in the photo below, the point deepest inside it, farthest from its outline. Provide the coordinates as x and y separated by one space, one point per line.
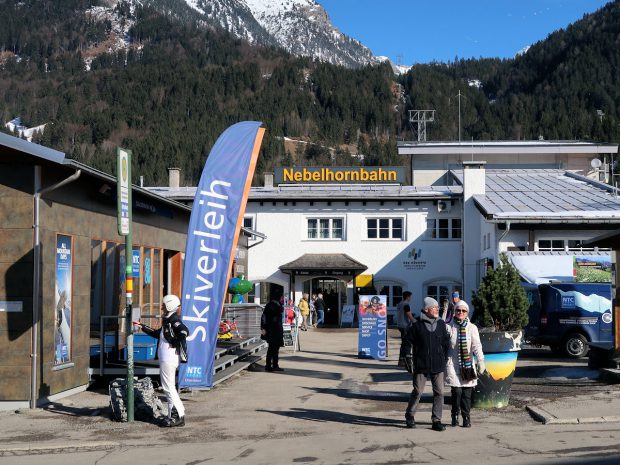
312 310
444 348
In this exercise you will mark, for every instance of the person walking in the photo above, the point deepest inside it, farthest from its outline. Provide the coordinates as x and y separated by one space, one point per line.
319 305
171 349
313 316
304 308
447 316
430 342
404 319
461 374
272 332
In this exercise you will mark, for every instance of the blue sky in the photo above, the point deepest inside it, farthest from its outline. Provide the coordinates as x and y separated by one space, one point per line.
423 31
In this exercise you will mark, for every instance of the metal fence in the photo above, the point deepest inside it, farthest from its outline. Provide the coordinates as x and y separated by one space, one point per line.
247 317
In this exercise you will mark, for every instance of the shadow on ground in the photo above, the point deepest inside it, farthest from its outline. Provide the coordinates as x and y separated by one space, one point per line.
338 417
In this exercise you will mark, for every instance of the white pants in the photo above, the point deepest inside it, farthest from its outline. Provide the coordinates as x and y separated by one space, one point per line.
167 374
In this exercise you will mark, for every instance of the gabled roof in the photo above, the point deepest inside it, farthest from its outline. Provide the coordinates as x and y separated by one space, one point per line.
324 261
545 195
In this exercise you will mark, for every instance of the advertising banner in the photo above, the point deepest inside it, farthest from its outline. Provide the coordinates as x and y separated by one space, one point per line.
592 268
373 327
216 219
63 295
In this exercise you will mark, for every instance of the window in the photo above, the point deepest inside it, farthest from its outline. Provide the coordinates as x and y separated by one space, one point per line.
443 228
384 228
394 293
325 228
248 222
442 291
551 245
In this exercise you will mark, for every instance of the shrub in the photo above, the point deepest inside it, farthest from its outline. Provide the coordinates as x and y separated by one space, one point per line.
500 301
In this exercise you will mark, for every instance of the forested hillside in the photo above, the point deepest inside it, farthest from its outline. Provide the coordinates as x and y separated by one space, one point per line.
175 85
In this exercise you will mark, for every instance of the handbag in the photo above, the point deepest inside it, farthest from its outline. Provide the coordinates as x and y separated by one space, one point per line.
468 374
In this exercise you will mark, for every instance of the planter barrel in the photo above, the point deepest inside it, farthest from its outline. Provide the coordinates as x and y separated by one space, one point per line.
500 356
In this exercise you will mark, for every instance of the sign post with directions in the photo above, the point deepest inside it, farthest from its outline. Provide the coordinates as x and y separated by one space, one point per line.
123 183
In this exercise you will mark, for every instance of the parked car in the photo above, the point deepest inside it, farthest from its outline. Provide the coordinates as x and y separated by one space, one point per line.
568 316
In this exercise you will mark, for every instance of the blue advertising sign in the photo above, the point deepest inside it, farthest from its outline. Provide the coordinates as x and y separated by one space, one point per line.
217 216
63 301
136 263
373 327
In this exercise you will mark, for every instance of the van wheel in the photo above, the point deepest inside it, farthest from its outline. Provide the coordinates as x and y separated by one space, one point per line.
575 345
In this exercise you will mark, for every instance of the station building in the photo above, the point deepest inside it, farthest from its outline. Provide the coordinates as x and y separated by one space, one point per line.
433 230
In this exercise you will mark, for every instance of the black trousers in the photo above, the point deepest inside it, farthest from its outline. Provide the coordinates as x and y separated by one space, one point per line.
272 355
405 345
461 400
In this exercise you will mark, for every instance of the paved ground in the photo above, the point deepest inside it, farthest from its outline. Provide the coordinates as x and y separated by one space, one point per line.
327 407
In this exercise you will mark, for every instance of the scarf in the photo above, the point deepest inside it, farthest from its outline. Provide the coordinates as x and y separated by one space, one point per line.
465 361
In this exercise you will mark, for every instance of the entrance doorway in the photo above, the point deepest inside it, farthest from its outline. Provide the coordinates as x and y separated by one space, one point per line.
334 294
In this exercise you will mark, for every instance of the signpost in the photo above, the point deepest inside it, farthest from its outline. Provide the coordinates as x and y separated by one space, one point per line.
123 183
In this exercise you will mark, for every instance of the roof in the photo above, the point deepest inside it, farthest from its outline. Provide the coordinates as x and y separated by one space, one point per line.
324 261
328 192
353 192
55 157
610 239
546 195
504 147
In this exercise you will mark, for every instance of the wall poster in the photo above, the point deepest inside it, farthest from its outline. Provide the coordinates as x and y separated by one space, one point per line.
63 298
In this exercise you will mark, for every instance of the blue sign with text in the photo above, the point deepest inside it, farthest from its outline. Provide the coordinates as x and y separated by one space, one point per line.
373 327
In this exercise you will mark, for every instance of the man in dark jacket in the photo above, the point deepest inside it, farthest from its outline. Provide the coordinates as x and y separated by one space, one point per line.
272 332
430 342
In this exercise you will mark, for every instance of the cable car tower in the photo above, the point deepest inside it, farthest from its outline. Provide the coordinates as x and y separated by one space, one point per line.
421 117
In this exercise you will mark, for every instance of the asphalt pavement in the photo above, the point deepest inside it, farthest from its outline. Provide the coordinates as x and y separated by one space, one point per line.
330 407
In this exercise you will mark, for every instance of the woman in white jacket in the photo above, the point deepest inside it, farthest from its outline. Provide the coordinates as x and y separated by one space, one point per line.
461 373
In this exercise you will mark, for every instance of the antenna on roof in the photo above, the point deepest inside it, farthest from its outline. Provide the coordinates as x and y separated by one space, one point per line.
421 117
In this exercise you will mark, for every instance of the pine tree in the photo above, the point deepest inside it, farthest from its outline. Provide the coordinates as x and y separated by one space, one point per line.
501 302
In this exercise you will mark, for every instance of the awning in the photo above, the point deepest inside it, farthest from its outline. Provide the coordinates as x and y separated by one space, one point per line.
326 264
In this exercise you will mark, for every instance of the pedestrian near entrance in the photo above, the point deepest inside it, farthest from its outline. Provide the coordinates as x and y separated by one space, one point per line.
404 319
313 316
171 349
304 308
319 305
272 332
461 373
430 342
447 316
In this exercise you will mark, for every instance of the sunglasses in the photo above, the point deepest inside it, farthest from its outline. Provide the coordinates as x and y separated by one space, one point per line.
459 310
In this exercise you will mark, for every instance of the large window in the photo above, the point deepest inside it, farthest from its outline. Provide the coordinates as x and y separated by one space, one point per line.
443 228
325 228
385 228
394 293
571 245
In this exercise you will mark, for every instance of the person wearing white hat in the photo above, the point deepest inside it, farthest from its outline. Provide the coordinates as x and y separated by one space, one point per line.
171 349
461 373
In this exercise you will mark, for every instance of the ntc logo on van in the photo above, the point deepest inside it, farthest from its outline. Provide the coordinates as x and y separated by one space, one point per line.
568 301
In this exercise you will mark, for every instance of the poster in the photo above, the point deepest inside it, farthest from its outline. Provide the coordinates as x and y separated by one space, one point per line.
592 268
63 298
373 327
347 316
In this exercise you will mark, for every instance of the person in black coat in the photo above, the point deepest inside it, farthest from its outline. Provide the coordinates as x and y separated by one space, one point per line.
430 342
272 332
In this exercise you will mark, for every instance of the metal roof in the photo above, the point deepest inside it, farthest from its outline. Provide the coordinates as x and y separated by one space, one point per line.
54 156
545 195
504 147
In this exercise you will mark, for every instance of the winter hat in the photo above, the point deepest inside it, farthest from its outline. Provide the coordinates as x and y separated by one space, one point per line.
430 302
456 295
462 304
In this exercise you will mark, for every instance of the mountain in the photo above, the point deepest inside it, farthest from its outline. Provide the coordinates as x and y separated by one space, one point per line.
301 27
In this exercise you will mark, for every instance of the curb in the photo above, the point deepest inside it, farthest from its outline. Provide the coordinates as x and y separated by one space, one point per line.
547 418
56 449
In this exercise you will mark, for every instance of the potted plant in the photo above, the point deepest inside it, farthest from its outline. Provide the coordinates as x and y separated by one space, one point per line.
500 311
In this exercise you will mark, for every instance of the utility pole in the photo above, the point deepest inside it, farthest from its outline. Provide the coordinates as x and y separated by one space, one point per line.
459 96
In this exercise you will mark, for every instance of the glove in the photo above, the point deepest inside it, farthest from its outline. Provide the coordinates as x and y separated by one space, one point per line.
481 367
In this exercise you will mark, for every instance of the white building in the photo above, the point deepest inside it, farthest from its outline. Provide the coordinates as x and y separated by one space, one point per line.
435 236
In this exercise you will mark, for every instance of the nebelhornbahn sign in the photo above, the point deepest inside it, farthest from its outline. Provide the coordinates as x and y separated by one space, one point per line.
340 175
